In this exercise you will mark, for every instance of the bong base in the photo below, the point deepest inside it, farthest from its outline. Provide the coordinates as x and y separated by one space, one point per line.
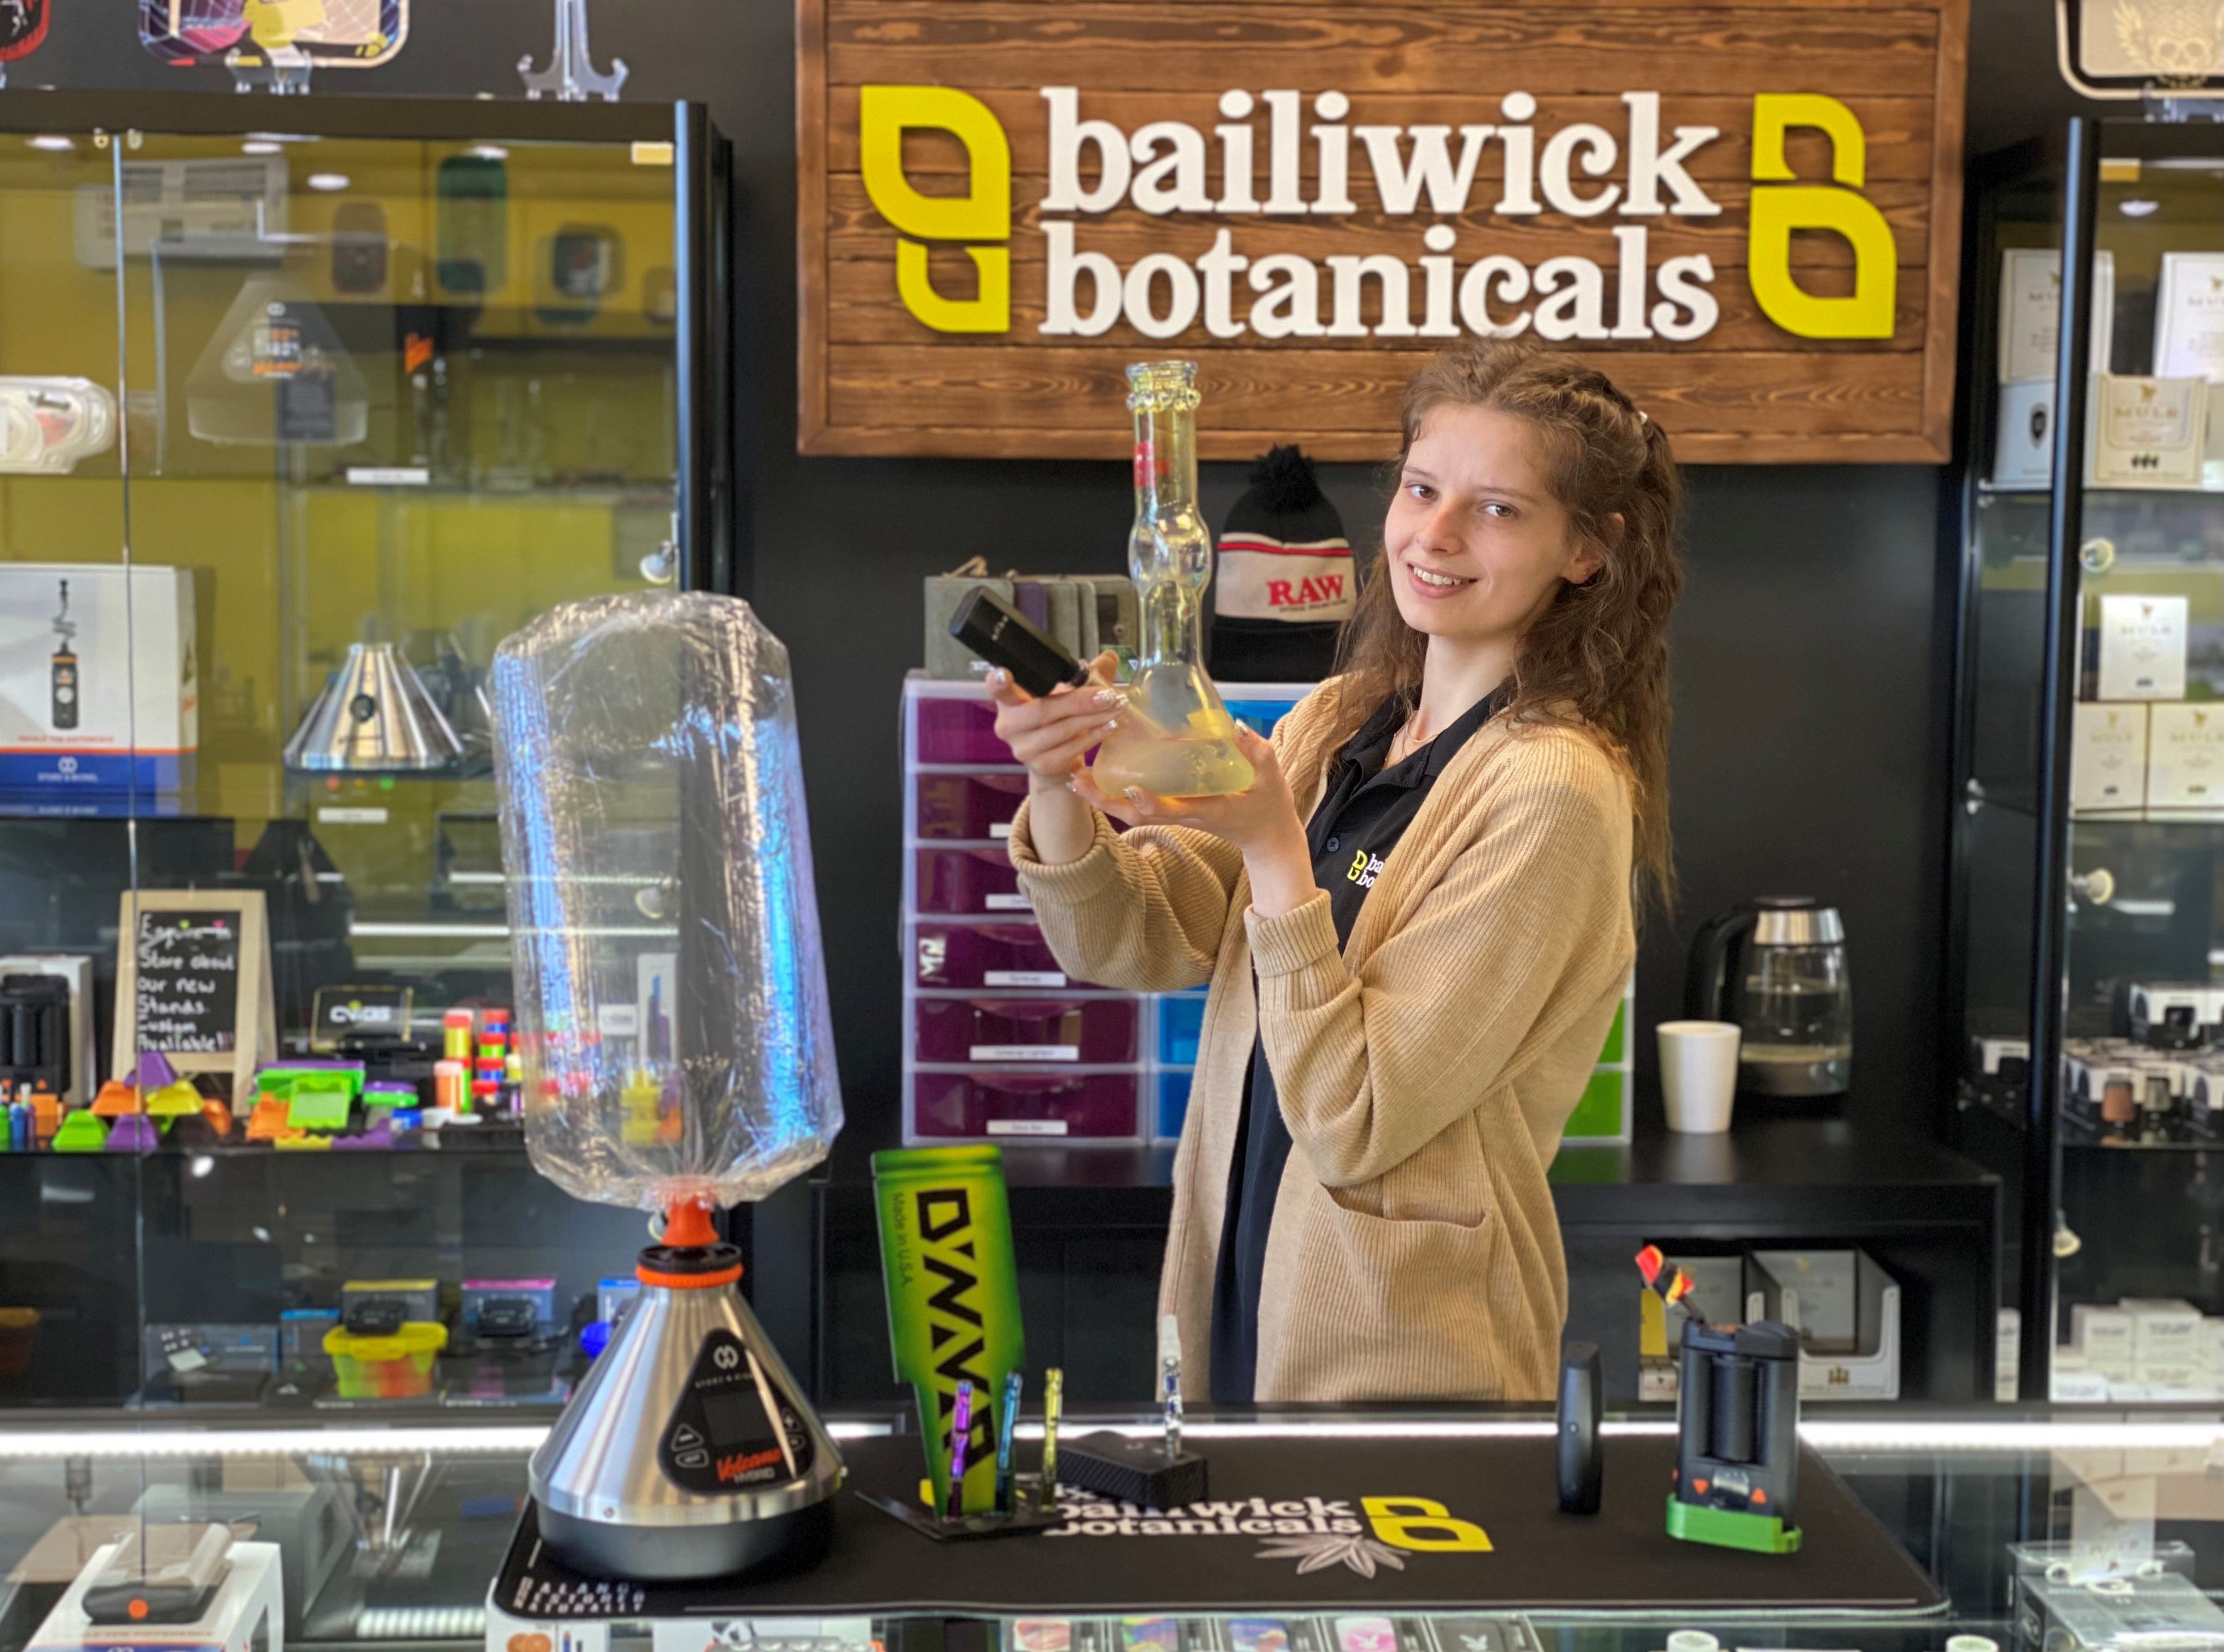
785 1542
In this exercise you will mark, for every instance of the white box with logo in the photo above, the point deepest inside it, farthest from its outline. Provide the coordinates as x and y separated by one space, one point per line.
2022 437
2108 760
2185 761
99 688
2145 432
2142 648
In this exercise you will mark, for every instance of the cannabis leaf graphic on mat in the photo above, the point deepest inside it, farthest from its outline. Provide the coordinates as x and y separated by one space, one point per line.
1318 1553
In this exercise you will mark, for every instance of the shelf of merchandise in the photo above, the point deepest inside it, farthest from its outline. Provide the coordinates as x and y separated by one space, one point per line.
999 1044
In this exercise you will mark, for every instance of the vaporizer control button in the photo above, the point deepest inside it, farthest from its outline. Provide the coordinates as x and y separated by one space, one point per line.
692 1459
683 1437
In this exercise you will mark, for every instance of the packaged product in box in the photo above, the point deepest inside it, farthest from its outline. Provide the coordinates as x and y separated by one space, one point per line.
2165 1339
2022 435
2145 432
2108 760
99 687
2142 646
2102 1337
2185 762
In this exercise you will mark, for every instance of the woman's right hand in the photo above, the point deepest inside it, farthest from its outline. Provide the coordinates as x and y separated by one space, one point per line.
1052 734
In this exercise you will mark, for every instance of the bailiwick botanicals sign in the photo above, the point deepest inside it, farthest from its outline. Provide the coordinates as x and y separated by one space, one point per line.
1748 215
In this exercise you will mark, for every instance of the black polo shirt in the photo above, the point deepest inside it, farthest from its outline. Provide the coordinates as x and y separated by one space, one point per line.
1364 809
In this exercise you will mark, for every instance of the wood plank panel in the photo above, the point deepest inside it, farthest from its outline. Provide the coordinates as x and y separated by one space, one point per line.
1361 447
855 229
1272 389
874 380
863 308
1188 47
1897 130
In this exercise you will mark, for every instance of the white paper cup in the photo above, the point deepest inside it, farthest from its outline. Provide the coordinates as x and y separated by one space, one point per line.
1698 1074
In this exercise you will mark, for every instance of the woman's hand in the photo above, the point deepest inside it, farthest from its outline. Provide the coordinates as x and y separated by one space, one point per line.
1052 734
1261 821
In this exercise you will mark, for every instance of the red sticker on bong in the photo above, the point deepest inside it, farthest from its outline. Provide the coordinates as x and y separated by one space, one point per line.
1147 464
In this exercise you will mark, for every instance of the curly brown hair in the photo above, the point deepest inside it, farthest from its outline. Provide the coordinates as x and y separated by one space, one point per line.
1598 655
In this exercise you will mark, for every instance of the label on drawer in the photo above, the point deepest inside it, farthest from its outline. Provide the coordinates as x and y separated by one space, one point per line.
1002 829
342 814
1006 903
1027 1127
1024 1053
1022 977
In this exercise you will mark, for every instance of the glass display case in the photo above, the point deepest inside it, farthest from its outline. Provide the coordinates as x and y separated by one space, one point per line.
2040 1535
2087 967
295 426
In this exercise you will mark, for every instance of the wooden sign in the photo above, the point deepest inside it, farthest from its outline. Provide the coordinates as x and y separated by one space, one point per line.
1749 216
193 981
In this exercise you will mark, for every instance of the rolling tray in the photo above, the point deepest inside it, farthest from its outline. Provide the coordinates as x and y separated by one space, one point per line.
1214 1557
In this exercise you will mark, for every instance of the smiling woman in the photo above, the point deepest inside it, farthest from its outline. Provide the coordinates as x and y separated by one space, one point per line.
1418 921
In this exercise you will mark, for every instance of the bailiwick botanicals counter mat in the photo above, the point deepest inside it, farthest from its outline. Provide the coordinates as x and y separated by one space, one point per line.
1298 1525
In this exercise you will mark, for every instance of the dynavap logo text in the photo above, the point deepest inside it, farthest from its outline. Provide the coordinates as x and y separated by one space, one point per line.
1282 156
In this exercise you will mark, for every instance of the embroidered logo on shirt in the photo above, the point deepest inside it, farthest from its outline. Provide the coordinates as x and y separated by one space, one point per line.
1364 870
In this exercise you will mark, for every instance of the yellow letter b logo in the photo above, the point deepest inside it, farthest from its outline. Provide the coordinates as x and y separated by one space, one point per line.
982 214
1777 210
1422 1525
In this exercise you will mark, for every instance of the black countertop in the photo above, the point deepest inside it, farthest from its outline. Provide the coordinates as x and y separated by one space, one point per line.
1839 1163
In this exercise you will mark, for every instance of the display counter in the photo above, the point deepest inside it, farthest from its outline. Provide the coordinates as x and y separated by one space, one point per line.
396 1532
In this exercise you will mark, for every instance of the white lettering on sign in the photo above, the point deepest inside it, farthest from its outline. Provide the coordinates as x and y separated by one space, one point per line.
1165 165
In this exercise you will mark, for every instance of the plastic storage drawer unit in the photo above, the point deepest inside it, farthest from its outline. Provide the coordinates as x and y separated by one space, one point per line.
968 883
1095 1031
1006 1103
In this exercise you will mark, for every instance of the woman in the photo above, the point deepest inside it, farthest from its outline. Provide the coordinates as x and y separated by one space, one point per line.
1417 923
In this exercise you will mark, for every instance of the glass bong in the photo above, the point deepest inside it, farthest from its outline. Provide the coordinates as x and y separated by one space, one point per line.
1175 737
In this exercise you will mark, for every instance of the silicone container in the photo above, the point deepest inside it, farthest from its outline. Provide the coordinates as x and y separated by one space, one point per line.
398 1367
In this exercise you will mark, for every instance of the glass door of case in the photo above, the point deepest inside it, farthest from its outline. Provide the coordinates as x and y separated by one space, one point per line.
431 395
294 428
2090 848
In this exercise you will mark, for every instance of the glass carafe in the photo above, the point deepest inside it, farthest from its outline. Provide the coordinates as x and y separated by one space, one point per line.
1797 1019
1175 737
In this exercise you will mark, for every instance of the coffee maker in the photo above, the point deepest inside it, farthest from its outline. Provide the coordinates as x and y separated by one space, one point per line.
1776 966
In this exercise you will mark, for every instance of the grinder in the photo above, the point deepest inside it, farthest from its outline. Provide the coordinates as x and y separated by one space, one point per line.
678 1056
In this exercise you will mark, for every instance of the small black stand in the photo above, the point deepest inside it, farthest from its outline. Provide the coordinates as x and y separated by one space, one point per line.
1132 1469
926 1522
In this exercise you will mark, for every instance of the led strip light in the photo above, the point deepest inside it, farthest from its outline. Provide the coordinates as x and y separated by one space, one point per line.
1971 1437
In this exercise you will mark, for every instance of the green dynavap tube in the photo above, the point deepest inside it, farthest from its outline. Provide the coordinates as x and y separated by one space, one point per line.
953 1299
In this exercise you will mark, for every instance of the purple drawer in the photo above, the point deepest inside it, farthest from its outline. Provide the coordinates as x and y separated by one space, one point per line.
984 955
958 730
970 881
1096 1031
968 806
1022 1104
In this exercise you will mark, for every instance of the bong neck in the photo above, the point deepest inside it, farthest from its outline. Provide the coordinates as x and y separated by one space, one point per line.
1166 460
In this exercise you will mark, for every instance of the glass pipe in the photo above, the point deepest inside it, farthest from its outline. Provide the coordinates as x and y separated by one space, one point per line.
1175 737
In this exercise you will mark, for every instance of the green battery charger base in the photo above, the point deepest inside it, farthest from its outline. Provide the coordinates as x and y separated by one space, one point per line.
1730 1528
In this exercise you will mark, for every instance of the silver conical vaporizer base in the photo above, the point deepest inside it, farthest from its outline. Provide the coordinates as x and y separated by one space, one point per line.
374 714
689 1452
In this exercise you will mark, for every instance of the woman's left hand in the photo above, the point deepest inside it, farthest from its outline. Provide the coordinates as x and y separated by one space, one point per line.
1260 820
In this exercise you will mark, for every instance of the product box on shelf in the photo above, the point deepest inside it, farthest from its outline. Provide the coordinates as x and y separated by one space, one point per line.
2108 760
99 687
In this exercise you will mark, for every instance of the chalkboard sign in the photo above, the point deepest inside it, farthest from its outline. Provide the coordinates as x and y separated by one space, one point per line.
193 980
186 989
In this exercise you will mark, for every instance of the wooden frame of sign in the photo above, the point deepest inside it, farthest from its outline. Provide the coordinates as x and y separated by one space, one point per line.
1314 195
199 979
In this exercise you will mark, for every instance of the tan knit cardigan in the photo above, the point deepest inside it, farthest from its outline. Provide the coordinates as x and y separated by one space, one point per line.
1425 1073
